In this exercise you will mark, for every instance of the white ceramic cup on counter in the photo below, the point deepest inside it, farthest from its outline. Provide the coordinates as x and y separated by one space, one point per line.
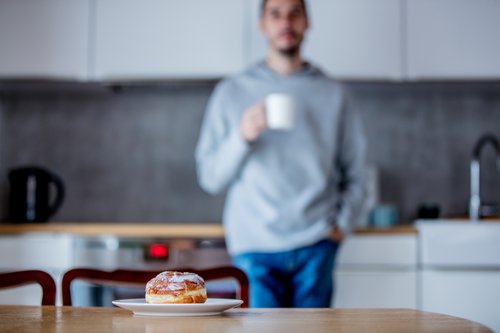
280 111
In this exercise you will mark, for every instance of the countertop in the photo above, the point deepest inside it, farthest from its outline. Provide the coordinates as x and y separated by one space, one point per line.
167 230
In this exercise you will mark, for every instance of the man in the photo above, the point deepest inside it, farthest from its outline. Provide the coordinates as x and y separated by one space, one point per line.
291 195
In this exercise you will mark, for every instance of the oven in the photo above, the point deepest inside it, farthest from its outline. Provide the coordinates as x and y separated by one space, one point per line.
111 252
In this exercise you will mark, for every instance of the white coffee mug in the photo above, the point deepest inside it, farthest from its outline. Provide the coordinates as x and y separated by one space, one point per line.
280 111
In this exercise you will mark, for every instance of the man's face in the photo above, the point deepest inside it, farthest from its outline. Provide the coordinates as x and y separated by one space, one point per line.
284 22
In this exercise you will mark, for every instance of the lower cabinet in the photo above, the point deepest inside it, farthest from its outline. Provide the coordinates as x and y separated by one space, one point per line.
48 252
470 294
365 288
377 271
24 295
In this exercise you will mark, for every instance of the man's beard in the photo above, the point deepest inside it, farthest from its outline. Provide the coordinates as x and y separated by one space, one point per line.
290 52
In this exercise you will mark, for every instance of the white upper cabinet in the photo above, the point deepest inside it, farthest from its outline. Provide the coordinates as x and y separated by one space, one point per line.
355 39
44 39
120 40
157 39
453 39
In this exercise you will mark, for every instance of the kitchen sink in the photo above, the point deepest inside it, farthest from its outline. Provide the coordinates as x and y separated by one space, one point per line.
459 243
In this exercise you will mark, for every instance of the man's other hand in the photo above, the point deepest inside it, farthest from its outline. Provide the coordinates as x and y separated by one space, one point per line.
336 234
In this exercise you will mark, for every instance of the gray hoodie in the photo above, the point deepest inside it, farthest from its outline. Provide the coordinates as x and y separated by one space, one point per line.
286 189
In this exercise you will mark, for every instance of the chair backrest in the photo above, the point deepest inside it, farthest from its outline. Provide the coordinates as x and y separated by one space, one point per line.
141 277
20 278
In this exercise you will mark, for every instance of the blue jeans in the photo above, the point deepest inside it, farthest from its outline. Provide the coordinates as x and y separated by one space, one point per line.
298 278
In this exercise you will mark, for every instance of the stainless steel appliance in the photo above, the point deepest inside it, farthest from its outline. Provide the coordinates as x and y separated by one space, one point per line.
111 252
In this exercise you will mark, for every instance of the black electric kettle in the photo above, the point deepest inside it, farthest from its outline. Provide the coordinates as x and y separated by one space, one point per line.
31 195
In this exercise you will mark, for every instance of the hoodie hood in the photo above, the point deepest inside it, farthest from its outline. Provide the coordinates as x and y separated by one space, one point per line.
262 70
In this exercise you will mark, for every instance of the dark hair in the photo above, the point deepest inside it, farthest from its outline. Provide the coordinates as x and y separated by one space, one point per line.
264 2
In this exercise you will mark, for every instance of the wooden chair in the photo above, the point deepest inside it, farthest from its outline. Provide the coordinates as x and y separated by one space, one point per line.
20 278
125 277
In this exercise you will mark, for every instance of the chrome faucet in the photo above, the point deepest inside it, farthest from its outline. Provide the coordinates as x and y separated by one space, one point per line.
475 171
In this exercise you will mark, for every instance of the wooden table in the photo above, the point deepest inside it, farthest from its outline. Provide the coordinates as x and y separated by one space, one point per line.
34 319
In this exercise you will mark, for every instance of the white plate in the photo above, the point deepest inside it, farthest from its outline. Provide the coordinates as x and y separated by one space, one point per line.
213 306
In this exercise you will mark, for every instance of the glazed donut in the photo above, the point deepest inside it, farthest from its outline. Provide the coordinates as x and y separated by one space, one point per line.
176 288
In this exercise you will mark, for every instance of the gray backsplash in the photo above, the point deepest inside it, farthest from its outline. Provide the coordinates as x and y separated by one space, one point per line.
126 155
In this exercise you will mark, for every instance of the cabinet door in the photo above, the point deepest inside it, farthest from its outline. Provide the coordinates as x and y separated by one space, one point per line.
154 39
379 250
23 295
36 251
453 39
378 270
52 253
44 38
375 289
474 295
355 39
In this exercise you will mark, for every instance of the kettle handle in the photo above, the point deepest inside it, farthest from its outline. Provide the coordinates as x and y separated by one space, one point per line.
59 194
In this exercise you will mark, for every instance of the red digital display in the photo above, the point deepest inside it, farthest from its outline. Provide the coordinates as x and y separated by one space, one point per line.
158 251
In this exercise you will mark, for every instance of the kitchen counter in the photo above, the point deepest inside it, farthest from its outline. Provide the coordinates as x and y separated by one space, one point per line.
403 229
167 230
